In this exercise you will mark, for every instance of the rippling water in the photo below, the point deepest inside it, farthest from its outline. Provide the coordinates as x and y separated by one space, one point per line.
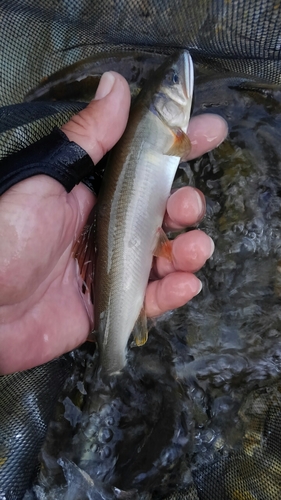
199 404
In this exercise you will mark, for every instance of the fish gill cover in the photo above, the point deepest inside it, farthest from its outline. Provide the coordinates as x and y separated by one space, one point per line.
197 412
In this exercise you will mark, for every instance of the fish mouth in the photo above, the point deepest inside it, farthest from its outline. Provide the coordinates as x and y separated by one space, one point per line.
188 75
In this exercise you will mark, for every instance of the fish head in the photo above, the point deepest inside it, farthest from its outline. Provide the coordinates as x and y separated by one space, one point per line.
173 97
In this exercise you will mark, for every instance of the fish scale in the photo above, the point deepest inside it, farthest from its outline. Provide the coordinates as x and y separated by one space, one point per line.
132 203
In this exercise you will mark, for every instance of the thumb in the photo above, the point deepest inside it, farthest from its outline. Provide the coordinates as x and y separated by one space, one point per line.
100 125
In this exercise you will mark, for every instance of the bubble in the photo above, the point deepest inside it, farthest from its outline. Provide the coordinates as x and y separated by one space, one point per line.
105 435
109 421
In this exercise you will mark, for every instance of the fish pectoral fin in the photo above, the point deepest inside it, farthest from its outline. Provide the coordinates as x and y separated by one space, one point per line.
83 251
163 246
181 146
140 331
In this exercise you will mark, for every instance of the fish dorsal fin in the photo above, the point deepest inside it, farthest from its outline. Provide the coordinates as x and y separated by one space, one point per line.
140 331
84 252
181 146
163 247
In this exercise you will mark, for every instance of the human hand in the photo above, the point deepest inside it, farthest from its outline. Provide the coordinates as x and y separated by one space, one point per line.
42 313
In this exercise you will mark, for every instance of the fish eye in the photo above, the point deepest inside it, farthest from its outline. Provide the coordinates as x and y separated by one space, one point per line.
172 77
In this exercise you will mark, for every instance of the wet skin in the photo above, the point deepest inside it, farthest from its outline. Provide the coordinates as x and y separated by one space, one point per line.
42 313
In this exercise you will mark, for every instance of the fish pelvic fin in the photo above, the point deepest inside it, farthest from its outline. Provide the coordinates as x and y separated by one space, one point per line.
163 246
140 331
84 251
181 146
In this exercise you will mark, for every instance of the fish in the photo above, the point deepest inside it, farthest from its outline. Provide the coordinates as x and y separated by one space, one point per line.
131 206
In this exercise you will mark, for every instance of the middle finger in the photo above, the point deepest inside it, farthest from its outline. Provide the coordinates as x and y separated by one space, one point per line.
189 253
185 207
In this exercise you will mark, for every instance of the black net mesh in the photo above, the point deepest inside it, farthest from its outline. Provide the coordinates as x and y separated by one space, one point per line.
23 124
40 37
24 415
255 471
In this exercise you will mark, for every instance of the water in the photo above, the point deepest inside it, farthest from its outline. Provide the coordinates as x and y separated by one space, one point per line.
201 399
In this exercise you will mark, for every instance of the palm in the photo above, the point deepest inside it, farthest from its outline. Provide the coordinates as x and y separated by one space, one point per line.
42 307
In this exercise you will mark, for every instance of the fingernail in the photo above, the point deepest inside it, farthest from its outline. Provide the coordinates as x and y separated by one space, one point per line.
212 247
201 203
105 86
199 287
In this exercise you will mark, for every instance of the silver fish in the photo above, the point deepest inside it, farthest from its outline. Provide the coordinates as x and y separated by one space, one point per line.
132 203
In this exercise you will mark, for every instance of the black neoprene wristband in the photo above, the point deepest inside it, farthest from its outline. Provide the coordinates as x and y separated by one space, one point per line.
54 155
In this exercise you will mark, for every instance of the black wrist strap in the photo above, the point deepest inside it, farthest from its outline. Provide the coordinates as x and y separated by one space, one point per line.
53 155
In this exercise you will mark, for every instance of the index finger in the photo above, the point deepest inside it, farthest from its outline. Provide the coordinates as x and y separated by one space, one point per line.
206 132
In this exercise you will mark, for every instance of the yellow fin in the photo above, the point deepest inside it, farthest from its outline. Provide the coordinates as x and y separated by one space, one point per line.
140 331
181 146
163 246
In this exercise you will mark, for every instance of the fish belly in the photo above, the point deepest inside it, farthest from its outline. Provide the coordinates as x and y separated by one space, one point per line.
135 238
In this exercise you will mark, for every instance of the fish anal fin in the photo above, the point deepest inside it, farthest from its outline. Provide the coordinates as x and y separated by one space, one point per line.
83 251
163 246
181 146
140 331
